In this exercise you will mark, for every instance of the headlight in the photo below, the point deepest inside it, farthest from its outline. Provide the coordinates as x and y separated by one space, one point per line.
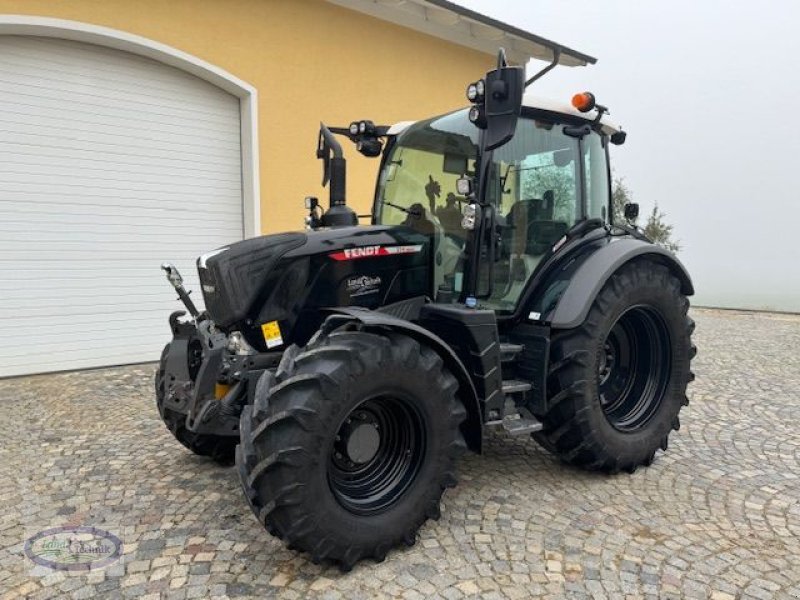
464 186
469 216
237 344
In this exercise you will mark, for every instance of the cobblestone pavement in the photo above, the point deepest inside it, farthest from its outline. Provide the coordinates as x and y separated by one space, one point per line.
717 516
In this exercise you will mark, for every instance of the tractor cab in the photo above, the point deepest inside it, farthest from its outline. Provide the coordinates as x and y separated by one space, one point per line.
551 175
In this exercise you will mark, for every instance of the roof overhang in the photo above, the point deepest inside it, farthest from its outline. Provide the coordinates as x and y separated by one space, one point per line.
457 24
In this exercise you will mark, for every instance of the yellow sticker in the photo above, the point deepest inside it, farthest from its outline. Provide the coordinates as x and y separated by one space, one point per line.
272 334
220 389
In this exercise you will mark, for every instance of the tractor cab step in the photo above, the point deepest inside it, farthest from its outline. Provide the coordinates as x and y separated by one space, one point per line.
509 352
518 424
514 386
521 425
517 420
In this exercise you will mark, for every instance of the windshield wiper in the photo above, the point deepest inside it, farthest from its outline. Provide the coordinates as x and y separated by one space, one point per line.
414 212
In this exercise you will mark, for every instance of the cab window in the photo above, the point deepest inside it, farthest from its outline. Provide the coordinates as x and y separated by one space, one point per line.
537 199
596 176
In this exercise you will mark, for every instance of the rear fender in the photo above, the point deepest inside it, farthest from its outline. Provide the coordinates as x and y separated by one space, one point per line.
583 287
472 427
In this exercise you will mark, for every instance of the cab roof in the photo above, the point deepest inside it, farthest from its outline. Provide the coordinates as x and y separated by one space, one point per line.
544 104
565 108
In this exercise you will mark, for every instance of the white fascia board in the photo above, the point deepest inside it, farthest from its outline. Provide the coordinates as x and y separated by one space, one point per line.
420 18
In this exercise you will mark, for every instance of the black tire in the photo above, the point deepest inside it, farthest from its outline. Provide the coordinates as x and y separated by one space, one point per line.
617 383
313 491
219 448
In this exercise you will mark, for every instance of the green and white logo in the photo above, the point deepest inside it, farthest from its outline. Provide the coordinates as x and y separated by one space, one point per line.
74 548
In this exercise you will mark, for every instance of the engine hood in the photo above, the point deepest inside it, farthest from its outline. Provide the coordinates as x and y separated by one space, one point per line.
239 280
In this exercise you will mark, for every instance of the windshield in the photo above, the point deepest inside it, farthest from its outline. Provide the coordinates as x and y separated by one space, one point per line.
535 183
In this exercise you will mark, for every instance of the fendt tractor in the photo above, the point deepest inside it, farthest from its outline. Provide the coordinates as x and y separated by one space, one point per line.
346 368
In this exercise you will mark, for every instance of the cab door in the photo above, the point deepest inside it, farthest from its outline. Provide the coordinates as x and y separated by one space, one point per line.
547 178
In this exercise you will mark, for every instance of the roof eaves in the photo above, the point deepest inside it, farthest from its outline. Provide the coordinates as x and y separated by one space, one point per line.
565 51
459 25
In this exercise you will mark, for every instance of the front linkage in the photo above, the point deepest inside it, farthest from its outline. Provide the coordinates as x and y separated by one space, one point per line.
204 379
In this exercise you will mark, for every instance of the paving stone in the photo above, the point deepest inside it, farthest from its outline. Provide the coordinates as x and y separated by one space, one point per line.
715 516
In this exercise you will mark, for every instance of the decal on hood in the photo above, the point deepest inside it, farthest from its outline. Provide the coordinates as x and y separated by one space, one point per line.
374 251
361 285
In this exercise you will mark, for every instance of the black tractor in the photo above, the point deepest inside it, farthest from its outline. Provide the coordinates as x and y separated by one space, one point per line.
346 368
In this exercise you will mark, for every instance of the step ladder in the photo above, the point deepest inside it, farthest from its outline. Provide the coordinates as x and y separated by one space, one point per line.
517 420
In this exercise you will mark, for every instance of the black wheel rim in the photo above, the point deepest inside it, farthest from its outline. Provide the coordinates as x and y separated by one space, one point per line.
633 368
377 453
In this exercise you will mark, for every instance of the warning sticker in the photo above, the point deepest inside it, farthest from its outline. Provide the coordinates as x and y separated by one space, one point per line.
272 334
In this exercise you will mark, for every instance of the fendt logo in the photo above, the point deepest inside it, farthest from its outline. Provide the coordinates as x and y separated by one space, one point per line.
361 252
373 251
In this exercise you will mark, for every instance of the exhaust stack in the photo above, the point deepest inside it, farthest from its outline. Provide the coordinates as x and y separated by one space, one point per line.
334 174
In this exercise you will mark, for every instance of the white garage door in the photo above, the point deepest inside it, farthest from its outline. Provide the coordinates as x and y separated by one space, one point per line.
110 163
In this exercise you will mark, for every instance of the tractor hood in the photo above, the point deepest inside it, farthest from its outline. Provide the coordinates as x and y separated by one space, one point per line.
279 277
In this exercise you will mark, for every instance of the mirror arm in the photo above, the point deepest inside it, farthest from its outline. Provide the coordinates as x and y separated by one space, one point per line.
501 58
547 69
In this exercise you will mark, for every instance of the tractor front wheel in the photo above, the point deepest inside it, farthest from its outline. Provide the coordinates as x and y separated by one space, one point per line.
617 383
350 444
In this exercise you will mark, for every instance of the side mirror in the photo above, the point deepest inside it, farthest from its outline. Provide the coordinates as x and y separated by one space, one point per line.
497 102
504 87
631 211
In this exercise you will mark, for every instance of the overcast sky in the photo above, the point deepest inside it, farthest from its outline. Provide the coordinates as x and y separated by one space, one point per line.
708 92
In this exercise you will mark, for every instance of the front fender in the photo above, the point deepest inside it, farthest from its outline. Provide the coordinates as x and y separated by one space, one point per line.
473 426
583 287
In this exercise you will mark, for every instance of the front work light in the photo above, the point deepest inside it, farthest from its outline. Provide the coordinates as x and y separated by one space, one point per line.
476 91
366 127
354 128
464 185
370 147
469 216
477 116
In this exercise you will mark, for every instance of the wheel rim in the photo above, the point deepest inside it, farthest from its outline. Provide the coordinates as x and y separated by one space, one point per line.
377 453
633 368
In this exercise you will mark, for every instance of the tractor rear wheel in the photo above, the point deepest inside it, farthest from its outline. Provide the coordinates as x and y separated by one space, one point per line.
220 448
349 446
617 383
